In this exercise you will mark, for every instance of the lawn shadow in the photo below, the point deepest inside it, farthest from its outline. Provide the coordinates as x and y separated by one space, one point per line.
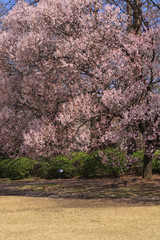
127 189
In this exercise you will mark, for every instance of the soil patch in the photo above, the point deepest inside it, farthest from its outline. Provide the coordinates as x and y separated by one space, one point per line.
127 190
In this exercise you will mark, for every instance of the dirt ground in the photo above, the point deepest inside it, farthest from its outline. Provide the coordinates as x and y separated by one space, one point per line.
127 190
27 218
124 208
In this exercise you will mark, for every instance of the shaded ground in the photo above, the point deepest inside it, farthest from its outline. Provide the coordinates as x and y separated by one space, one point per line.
125 190
30 218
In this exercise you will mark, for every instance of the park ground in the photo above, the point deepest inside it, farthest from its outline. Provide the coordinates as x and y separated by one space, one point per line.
123 208
126 190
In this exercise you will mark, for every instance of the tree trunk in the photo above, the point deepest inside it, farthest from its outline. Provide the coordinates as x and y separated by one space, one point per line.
147 165
137 12
129 13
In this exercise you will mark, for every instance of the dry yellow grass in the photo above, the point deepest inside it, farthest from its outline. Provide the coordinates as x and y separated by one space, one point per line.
23 218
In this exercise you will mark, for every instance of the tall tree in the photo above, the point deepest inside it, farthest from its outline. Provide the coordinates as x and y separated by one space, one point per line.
63 65
139 11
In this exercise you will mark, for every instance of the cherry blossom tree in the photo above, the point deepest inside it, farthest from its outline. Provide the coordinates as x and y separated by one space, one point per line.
141 13
73 77
7 5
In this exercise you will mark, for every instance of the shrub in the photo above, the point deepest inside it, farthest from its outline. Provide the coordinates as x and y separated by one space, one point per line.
20 168
138 155
136 162
156 162
41 169
77 159
61 163
92 166
4 168
2 157
114 161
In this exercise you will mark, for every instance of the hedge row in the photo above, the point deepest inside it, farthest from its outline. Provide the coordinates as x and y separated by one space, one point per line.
108 162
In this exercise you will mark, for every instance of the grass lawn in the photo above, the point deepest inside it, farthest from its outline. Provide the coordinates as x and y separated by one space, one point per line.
26 218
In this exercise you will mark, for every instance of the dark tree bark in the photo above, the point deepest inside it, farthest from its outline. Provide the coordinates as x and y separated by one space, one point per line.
147 165
137 13
129 13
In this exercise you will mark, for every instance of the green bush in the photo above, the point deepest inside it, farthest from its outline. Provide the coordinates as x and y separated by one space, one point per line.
114 161
4 168
77 159
92 166
41 169
156 162
20 168
2 158
138 154
137 162
61 163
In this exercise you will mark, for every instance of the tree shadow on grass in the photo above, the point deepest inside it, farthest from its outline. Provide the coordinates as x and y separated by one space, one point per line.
127 190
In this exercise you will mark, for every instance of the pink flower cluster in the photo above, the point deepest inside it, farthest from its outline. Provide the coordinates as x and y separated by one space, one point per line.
73 77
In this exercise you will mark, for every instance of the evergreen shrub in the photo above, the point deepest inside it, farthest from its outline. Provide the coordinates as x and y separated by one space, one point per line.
41 169
61 167
77 159
92 166
136 163
20 168
156 162
114 161
4 168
